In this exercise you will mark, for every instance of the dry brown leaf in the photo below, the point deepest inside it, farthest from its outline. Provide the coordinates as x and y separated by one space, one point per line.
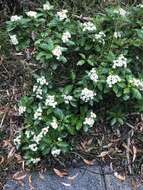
60 173
6 143
103 154
89 141
19 176
89 162
134 153
120 177
73 177
1 159
30 183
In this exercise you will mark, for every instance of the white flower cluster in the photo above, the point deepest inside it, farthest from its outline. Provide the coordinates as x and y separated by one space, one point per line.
47 6
33 147
38 138
90 120
42 80
32 14
66 36
15 18
55 152
88 26
54 124
34 160
62 14
14 39
113 79
120 62
100 37
120 11
57 51
93 75
38 113
67 98
17 140
87 95
138 83
50 101
117 34
38 89
21 110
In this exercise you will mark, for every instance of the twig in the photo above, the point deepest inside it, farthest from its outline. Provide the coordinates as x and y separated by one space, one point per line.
4 115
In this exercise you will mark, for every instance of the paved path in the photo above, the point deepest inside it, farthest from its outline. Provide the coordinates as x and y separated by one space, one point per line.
84 178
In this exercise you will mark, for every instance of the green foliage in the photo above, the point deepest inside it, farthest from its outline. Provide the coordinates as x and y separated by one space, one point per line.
85 66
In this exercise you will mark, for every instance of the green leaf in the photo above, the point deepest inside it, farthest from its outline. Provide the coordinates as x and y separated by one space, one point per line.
136 93
59 113
68 89
140 33
113 121
79 125
81 62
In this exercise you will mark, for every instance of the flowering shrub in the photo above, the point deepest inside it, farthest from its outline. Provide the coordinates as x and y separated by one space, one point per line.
85 66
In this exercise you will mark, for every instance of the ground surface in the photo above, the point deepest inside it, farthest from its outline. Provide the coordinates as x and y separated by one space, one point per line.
82 178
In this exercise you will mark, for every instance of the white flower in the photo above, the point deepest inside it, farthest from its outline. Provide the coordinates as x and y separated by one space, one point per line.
37 138
45 130
33 147
120 62
34 160
32 14
87 95
112 79
14 39
93 75
140 5
88 26
90 120
38 114
21 109
47 6
55 152
92 115
54 124
66 36
42 80
15 18
50 101
120 11
67 98
138 83
17 141
28 134
62 14
117 34
38 91
57 51
100 37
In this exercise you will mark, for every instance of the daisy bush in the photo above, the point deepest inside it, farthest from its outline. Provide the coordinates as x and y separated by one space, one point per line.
86 66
